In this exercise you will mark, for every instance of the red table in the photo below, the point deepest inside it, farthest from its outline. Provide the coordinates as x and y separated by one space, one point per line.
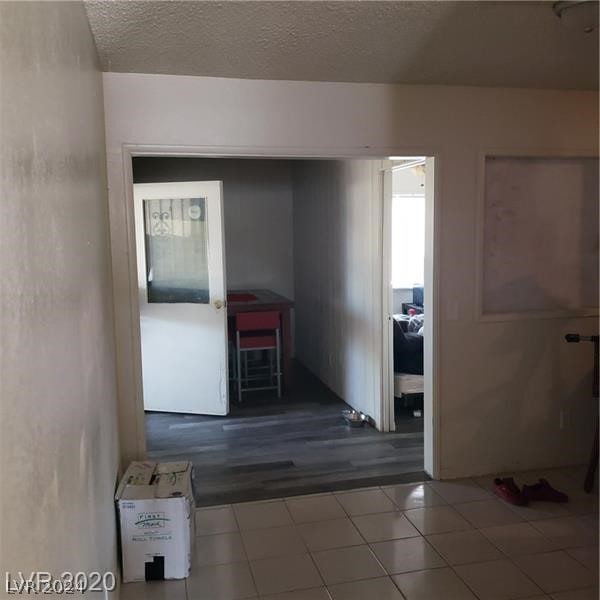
257 300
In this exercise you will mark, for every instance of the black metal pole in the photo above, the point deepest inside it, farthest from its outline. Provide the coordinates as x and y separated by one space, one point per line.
588 484
590 475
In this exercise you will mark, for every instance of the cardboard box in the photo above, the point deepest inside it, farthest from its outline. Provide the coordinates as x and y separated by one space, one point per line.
155 503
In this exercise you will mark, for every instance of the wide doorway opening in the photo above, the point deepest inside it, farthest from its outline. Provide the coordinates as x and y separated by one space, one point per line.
260 326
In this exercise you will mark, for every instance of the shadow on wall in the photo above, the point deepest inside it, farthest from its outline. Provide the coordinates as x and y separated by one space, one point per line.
528 414
589 240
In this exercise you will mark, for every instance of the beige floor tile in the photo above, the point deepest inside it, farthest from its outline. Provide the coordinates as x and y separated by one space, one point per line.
319 593
438 584
555 571
273 541
410 554
459 490
219 519
218 549
364 502
315 508
411 495
581 503
567 532
260 515
590 522
384 526
285 574
587 594
461 547
537 511
497 580
275 537
325 535
221 582
587 556
347 564
518 539
153 590
437 519
382 588
487 513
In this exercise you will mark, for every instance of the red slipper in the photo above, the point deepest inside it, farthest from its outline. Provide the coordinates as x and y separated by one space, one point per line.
508 490
543 492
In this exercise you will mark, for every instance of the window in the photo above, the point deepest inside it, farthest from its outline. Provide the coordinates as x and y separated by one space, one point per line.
408 240
176 250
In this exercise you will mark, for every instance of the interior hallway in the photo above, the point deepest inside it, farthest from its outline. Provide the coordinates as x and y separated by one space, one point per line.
270 448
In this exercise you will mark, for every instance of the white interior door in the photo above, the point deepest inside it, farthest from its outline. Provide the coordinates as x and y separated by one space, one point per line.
182 296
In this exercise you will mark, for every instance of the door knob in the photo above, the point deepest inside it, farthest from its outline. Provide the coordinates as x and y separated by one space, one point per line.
219 304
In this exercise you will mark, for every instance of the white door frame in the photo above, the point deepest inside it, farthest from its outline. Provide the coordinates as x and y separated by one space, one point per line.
387 303
430 343
433 283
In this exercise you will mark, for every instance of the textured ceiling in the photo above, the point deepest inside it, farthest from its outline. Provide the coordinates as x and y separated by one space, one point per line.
463 43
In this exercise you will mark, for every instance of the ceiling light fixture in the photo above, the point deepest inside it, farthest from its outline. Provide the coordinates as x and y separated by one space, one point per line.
578 14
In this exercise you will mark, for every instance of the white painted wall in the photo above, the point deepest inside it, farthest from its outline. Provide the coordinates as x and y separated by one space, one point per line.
500 385
58 441
336 243
257 202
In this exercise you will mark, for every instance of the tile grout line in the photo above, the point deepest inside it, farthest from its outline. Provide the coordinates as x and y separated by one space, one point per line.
511 559
398 510
353 546
368 544
503 553
403 511
576 559
245 551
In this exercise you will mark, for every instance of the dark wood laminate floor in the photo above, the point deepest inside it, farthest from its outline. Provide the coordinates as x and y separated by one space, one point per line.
300 444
